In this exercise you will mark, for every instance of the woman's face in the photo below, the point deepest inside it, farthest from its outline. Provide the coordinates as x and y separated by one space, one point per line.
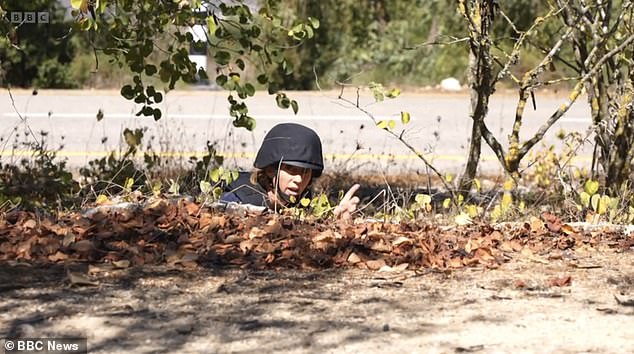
293 180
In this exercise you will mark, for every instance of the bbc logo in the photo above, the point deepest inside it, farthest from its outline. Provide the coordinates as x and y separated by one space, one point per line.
30 17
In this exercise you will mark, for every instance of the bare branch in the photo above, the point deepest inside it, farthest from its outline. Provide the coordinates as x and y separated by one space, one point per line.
404 142
436 42
573 96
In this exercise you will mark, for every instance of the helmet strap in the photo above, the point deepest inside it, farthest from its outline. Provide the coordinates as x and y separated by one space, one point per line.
279 195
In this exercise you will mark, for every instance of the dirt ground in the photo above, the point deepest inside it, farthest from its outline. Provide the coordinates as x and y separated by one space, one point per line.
517 308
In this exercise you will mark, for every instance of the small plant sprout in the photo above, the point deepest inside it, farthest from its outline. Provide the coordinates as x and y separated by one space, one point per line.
504 208
219 174
174 188
422 203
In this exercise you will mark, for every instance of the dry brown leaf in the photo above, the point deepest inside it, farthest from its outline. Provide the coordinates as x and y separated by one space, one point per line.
273 228
212 221
327 235
191 207
79 279
536 225
58 256
380 246
353 258
29 224
553 222
124 263
401 240
562 281
484 255
472 244
528 253
398 268
247 245
256 232
233 239
455 263
83 246
568 229
375 264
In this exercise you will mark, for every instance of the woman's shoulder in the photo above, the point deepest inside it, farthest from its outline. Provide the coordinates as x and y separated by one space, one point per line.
244 192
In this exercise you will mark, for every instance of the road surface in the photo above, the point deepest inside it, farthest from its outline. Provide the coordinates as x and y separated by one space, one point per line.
440 126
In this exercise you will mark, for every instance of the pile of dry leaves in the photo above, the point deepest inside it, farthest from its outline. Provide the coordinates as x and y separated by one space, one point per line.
183 232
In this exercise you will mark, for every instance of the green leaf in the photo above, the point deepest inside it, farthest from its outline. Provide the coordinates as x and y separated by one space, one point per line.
463 219
76 4
282 101
217 193
129 182
295 106
472 210
391 124
506 202
150 70
405 117
222 57
477 184
127 92
591 187
211 26
130 138
175 187
309 32
393 93
101 199
314 22
422 199
205 187
215 174
304 202
600 203
381 124
250 90
585 199
263 79
240 64
221 80
157 114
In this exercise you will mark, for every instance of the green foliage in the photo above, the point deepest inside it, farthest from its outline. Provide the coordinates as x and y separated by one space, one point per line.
35 53
152 39
52 73
39 182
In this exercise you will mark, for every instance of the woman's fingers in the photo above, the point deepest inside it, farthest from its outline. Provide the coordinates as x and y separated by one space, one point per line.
350 193
352 204
348 203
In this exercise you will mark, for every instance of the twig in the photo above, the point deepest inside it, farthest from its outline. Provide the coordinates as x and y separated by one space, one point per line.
408 145
573 97
22 118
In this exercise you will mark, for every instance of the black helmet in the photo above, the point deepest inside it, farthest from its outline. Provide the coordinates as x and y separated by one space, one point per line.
293 144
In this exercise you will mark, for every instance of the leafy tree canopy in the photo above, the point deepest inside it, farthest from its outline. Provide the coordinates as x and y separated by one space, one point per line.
152 39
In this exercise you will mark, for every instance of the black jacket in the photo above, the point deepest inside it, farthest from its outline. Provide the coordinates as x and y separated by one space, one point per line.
244 192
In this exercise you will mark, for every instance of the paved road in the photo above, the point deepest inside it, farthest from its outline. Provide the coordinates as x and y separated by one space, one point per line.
191 118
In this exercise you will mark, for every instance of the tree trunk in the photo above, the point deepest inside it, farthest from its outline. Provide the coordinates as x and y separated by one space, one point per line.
480 85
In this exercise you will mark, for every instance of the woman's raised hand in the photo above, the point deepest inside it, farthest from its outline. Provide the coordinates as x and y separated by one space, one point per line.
348 204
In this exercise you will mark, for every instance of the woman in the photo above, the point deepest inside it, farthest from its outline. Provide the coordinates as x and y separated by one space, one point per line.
286 164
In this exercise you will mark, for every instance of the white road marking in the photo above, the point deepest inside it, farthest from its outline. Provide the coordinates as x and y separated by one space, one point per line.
186 116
